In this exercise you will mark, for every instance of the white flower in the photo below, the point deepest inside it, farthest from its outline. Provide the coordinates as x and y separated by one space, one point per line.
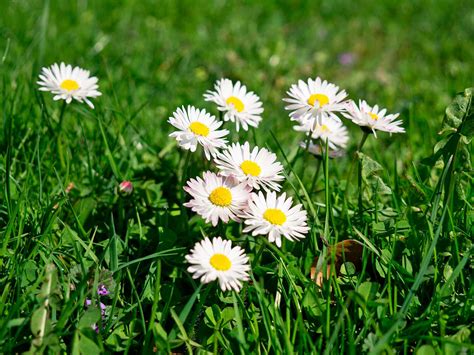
310 102
331 130
218 260
275 217
69 83
197 126
257 168
317 150
217 197
374 118
242 107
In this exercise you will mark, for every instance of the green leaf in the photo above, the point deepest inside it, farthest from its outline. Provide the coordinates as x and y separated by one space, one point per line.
460 110
369 166
90 317
368 290
212 315
38 321
227 315
426 350
87 345
370 175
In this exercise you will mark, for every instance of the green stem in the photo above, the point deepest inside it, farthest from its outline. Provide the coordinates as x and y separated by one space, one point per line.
182 193
362 141
359 171
325 152
354 160
58 136
61 118
297 155
259 253
184 171
254 135
315 177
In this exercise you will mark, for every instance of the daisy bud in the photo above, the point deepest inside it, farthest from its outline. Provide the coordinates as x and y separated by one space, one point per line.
126 187
69 187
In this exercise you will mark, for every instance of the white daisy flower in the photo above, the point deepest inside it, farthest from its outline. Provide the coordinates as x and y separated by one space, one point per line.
310 102
69 83
374 118
275 217
242 107
331 130
257 168
217 198
216 259
197 126
317 150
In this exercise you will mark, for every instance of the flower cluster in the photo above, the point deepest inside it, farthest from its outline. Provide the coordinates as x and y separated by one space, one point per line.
244 184
316 107
102 290
242 189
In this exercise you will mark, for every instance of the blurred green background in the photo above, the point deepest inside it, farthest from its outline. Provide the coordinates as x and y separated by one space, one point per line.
151 56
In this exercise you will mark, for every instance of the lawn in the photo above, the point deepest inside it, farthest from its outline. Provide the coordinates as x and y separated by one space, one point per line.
93 230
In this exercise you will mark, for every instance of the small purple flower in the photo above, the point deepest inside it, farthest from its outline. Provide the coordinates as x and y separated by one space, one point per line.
102 290
103 308
347 59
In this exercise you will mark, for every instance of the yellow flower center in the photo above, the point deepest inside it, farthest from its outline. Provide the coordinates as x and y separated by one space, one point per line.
220 262
250 168
321 98
373 116
69 85
199 128
275 216
221 196
236 102
324 128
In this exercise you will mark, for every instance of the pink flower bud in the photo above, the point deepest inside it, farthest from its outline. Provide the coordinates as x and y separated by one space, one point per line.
69 187
126 187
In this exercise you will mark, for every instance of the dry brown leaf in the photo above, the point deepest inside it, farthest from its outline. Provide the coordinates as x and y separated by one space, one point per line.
349 250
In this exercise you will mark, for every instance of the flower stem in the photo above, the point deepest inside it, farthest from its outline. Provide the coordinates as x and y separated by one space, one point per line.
260 243
359 172
61 118
326 188
362 141
182 193
315 177
59 145
354 160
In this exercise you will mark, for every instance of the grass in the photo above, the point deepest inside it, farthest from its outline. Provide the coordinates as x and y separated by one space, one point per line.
413 292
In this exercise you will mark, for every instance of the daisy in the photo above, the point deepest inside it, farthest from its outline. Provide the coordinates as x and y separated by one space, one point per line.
257 167
217 198
331 130
315 149
242 107
312 101
197 126
69 83
275 217
216 259
374 118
